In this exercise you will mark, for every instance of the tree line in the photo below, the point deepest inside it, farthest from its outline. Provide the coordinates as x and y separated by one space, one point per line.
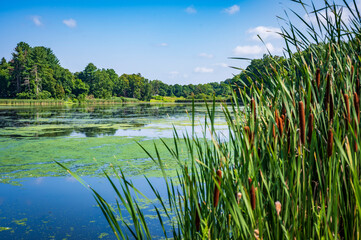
35 73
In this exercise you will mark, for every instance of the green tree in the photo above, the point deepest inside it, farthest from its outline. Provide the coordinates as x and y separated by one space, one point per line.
4 78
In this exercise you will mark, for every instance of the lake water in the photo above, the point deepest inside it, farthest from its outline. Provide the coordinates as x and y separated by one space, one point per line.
39 200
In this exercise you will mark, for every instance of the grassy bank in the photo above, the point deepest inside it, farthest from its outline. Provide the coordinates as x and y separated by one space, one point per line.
160 99
45 102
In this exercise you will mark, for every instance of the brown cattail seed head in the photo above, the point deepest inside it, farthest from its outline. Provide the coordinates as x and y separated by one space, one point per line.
253 103
239 196
249 134
280 125
252 194
310 127
301 111
247 130
357 106
318 78
329 143
216 189
274 131
348 115
278 207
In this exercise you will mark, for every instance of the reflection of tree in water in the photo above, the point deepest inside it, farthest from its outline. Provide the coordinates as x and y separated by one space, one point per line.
95 131
98 114
57 132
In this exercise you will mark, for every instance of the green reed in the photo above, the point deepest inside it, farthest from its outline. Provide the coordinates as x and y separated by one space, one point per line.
290 168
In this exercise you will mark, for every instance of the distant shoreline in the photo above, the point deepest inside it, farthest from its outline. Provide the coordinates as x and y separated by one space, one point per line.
46 102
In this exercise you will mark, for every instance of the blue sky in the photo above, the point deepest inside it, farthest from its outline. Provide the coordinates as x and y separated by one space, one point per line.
173 41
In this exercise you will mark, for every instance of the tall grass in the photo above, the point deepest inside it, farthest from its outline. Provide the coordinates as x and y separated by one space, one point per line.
291 166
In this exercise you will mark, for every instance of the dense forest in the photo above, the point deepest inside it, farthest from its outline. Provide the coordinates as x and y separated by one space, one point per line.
35 73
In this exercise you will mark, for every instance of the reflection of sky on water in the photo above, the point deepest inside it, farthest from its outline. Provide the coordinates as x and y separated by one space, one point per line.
159 131
121 120
58 208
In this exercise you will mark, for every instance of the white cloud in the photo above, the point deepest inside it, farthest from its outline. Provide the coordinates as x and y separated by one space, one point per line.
206 55
70 22
264 32
191 10
247 50
174 74
163 45
255 49
232 10
224 65
37 21
203 70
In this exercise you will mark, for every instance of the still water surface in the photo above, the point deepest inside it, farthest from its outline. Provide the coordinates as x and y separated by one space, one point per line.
38 200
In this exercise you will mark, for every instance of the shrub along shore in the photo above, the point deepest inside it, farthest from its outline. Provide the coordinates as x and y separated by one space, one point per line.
119 100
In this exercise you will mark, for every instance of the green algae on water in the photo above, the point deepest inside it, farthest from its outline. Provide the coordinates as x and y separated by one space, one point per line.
4 229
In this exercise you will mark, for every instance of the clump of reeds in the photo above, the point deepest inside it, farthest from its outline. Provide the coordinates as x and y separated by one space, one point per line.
216 189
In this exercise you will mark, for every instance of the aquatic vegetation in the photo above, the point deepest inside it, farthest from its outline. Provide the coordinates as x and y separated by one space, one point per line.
4 229
86 156
20 222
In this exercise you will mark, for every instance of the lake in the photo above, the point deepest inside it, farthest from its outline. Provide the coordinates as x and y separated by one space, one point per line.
39 200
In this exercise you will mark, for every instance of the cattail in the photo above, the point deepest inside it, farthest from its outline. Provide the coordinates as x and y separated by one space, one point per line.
239 196
310 127
280 125
348 117
216 189
357 106
352 70
253 103
318 78
274 131
302 121
329 143
328 90
283 118
249 134
252 194
278 207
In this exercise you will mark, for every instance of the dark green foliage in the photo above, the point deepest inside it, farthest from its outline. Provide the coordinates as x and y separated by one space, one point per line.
33 70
